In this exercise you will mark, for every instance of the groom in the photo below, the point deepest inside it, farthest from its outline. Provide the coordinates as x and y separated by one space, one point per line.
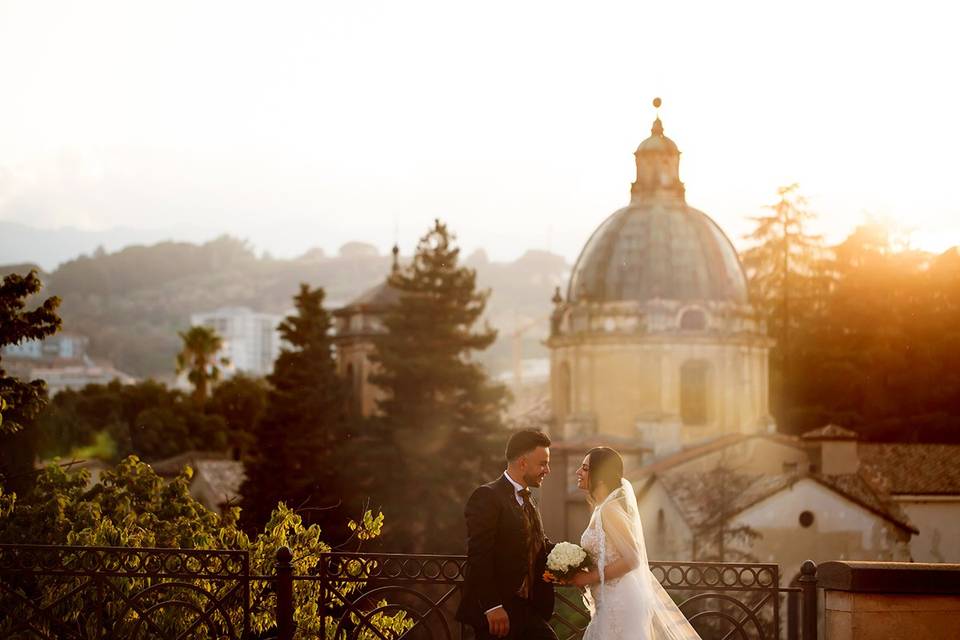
504 594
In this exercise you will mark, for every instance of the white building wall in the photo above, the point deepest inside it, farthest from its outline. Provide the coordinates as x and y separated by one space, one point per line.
667 535
251 340
938 519
841 529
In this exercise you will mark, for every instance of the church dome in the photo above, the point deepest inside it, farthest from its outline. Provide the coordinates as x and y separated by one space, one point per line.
658 250
658 246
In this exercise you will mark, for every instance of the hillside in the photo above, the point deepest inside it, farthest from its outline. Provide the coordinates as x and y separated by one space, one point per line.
132 302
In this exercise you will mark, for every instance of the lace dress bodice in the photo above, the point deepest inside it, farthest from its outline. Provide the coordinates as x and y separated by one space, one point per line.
590 541
618 597
634 606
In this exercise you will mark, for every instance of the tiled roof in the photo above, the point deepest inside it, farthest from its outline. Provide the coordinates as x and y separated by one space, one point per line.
932 469
830 432
686 455
695 494
377 298
699 450
859 488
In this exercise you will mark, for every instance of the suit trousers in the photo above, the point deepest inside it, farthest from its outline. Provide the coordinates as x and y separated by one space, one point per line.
525 623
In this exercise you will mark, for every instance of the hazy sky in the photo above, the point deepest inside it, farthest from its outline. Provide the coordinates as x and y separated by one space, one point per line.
299 124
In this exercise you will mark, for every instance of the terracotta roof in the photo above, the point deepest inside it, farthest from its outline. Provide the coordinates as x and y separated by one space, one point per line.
686 455
380 297
860 488
694 493
931 469
830 432
699 450
695 496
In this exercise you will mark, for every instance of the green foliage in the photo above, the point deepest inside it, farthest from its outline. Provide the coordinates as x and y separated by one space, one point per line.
21 400
241 402
294 458
198 358
438 432
868 331
133 507
103 447
145 419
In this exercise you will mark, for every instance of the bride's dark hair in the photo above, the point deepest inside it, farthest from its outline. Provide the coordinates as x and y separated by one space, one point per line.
606 466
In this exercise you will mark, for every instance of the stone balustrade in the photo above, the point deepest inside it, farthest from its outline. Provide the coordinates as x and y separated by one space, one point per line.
890 600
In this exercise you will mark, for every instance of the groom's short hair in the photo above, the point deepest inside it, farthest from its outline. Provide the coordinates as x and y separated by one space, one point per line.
525 441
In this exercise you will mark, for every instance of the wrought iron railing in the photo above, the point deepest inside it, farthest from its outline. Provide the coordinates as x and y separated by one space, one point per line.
109 592
106 592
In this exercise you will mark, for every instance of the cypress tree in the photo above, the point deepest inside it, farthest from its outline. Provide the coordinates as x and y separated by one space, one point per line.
293 457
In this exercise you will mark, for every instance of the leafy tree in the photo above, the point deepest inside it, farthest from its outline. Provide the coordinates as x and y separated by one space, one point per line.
436 435
788 279
240 401
719 537
132 507
880 359
294 456
145 419
198 358
21 400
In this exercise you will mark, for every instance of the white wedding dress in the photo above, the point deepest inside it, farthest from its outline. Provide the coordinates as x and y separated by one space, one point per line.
635 605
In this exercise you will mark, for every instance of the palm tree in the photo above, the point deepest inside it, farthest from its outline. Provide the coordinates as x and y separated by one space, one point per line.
199 358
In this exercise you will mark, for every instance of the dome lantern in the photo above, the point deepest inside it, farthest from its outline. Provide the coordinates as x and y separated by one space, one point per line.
658 166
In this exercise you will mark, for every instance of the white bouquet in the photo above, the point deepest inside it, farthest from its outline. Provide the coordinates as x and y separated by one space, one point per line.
564 561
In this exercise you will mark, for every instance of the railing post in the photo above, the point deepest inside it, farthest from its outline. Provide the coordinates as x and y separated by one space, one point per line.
808 586
284 590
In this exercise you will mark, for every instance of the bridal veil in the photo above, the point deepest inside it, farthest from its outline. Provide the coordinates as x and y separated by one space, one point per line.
618 520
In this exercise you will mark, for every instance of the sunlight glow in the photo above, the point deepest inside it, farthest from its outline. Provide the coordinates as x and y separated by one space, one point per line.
298 124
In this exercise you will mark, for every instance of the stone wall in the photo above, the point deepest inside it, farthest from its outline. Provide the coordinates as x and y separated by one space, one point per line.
890 600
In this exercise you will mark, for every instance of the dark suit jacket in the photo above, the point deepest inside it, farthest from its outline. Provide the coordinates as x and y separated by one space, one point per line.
497 556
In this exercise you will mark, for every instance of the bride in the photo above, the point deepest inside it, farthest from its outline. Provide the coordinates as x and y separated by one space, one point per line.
627 600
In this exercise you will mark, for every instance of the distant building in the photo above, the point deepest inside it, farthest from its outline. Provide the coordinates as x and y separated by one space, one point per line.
59 376
357 325
251 341
61 361
60 346
809 498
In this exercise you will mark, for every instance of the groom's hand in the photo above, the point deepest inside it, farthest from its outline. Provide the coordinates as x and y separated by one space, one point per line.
498 622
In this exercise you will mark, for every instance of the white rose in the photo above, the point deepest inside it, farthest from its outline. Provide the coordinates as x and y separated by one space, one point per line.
565 556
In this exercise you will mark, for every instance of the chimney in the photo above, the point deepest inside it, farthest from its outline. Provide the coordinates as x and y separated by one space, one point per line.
838 450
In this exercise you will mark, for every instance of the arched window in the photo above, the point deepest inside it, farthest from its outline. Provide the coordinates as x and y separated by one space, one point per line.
565 406
693 393
693 320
